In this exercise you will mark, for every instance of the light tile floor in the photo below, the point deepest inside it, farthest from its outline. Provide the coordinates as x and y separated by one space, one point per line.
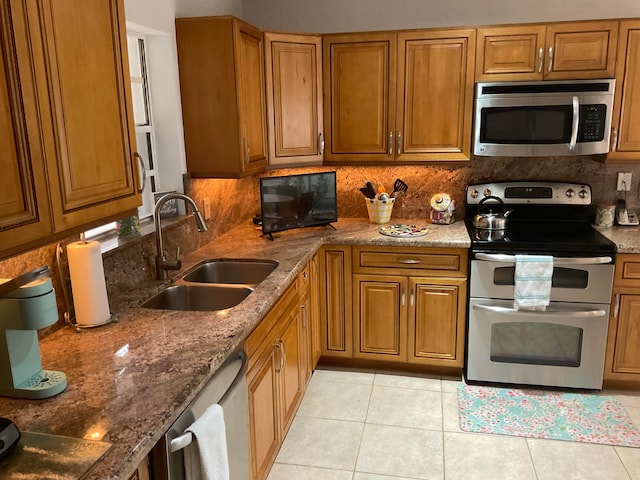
374 425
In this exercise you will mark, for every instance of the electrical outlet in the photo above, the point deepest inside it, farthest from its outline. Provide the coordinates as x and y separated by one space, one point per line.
206 208
624 182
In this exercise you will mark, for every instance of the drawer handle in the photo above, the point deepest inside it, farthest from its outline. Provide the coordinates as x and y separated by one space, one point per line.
409 261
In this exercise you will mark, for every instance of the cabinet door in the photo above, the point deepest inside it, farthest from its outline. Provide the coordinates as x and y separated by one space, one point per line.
335 301
623 352
380 312
90 140
250 78
263 415
435 95
626 112
221 62
294 99
581 50
437 320
359 102
314 311
24 204
510 53
290 370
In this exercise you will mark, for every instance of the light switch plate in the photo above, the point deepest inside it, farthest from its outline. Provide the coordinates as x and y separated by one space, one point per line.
624 182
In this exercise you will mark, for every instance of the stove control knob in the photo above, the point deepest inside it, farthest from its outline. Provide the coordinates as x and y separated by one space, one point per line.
474 193
486 192
583 193
570 193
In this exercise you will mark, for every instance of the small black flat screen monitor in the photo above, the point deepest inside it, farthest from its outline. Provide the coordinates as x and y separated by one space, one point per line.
295 201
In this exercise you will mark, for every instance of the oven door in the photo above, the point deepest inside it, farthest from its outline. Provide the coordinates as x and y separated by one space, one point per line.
587 279
563 346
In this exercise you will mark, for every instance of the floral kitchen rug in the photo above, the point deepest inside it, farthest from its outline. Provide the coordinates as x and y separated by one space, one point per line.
554 415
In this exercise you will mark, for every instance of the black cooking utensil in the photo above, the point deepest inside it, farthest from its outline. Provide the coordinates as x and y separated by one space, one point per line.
399 188
366 192
371 189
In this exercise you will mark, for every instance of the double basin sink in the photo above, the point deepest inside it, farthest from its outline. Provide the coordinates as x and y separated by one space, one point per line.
213 285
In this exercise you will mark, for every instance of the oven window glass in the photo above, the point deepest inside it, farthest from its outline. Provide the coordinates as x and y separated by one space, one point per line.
536 344
548 124
562 277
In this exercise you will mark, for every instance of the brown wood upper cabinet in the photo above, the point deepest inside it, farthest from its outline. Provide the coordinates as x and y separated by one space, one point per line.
66 124
294 99
221 63
398 97
625 134
556 51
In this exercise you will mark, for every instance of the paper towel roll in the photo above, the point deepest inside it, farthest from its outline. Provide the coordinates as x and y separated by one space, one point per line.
87 282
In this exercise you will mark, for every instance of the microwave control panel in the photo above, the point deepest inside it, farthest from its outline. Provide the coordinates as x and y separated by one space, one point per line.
592 123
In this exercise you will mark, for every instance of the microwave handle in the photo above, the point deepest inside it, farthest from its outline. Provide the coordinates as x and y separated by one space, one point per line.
574 125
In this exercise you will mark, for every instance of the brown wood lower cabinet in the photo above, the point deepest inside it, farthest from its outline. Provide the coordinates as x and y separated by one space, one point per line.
409 305
410 319
622 363
275 379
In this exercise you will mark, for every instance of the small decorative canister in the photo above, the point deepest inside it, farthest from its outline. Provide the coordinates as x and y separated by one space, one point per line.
443 208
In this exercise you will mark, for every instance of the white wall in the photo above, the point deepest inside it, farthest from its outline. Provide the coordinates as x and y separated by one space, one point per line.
361 15
202 8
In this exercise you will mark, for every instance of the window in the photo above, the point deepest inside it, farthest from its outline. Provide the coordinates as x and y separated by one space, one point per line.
144 129
142 116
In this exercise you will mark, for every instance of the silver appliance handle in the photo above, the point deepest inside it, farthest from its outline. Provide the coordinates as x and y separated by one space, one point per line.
186 439
555 314
574 124
499 257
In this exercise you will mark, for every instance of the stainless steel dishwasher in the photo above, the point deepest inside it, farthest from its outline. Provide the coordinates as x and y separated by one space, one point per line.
228 387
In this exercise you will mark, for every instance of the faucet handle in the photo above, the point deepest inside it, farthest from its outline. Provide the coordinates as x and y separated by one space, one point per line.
178 253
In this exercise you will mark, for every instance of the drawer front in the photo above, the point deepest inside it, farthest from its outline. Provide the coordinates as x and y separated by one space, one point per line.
410 261
627 270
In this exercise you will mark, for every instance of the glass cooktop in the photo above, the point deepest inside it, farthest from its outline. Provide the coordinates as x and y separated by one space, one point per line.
548 238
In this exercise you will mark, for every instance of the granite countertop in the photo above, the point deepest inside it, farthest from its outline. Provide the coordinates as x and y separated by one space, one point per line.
129 380
627 239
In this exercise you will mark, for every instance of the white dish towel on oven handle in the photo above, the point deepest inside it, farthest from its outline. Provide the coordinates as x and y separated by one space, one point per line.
532 282
206 456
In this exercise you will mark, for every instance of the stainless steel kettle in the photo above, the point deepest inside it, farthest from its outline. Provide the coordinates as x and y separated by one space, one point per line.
491 220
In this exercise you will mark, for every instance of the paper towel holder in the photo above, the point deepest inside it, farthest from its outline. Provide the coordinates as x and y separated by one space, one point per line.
65 279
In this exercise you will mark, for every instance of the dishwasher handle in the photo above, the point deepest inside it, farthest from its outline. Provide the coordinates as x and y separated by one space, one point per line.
185 439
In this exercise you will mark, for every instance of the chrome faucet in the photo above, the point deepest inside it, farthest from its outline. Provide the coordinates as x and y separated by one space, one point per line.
162 263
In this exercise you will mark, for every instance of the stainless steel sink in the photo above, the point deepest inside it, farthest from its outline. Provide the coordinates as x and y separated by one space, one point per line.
231 271
198 297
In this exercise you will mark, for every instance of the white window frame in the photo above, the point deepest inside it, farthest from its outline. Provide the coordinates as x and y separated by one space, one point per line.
151 175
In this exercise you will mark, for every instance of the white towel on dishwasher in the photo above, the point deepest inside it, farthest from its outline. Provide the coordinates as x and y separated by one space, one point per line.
532 277
206 457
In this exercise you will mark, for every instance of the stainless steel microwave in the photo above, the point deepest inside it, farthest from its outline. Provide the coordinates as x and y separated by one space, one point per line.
540 119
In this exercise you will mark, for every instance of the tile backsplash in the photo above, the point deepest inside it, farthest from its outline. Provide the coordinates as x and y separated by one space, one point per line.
236 201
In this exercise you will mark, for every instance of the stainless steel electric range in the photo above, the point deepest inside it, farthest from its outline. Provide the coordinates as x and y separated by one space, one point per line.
562 344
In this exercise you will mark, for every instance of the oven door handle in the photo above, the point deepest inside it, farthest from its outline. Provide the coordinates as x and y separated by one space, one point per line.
499 257
513 311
